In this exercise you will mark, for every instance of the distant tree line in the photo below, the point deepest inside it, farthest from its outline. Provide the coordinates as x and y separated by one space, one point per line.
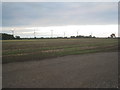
80 36
4 36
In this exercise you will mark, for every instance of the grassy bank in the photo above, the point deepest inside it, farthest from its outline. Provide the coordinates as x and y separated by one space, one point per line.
26 50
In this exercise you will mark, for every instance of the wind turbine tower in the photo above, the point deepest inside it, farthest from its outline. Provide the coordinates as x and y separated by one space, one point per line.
13 30
77 32
64 34
34 33
51 33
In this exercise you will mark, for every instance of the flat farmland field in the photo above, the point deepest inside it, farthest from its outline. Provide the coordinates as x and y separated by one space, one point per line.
39 49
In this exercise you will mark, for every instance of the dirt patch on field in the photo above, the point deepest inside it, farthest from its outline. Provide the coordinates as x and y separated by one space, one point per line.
93 47
55 50
88 47
59 50
44 51
21 54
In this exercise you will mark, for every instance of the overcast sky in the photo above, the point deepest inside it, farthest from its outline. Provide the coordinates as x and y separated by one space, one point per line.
53 14
58 14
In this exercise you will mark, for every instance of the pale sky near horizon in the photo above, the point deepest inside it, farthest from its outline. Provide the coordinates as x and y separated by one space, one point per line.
98 18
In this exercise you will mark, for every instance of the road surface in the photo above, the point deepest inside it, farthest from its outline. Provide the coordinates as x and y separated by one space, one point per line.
98 70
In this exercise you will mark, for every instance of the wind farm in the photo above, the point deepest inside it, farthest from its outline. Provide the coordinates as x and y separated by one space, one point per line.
60 45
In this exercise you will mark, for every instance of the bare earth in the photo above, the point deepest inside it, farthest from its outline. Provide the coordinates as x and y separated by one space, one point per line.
99 70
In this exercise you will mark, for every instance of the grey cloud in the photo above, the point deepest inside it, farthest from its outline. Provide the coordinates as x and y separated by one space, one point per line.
0 15
62 13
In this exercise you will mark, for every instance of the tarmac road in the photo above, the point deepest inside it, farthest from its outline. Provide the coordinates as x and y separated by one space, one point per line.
98 70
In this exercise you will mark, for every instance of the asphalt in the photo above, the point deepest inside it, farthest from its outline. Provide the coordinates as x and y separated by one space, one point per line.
98 70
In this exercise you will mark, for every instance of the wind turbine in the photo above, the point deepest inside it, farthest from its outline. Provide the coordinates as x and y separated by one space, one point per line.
34 33
91 34
13 30
77 32
64 34
51 33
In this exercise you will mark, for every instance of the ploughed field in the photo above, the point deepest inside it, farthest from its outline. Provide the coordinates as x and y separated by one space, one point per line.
39 49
